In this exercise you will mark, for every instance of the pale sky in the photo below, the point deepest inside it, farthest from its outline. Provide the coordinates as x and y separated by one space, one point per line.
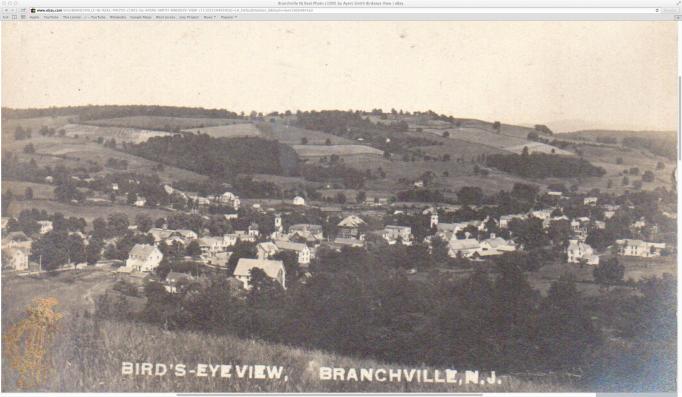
569 75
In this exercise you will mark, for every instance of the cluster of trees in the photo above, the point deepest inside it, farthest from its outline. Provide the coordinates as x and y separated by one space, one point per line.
20 133
247 187
543 129
120 249
93 112
133 185
57 248
470 195
49 131
363 308
360 303
116 163
334 172
27 222
422 196
29 171
68 192
220 157
540 165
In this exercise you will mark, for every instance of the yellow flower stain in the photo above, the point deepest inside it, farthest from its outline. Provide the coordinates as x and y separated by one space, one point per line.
26 343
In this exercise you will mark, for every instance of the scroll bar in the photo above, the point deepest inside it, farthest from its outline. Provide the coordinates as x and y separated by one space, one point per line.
676 174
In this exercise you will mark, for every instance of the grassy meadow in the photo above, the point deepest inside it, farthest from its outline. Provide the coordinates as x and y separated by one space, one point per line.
120 134
228 131
340 150
88 212
163 122
291 135
87 354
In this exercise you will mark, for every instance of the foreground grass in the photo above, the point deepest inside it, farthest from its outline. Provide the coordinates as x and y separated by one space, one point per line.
86 356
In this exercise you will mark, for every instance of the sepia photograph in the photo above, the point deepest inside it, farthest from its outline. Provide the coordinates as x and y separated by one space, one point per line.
339 206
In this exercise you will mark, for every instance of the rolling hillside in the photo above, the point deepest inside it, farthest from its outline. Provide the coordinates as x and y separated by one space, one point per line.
163 122
94 351
450 148
228 130
83 152
120 134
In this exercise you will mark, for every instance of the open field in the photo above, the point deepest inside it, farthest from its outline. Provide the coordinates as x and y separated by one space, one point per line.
491 139
340 150
538 147
163 122
41 191
459 149
505 129
425 122
78 152
285 182
459 174
35 123
120 134
88 212
228 131
635 269
594 134
608 157
291 135
490 184
76 291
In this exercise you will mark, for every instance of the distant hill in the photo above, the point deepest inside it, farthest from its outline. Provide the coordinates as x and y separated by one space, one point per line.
93 112
393 149
662 143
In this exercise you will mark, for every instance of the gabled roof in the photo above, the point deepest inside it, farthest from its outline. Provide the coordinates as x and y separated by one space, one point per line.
185 232
351 221
267 246
270 267
496 242
464 244
398 228
290 246
143 250
159 233
305 227
302 236
208 241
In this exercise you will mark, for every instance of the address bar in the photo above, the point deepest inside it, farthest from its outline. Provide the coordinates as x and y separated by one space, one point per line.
351 10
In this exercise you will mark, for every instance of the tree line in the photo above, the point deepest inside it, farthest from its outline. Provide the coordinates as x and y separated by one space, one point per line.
541 165
358 304
220 157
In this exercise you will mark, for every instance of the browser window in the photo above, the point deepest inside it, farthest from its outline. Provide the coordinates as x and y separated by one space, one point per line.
339 196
